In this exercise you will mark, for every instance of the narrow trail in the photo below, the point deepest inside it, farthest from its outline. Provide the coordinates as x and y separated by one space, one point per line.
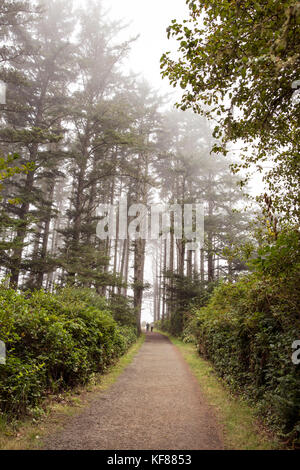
155 404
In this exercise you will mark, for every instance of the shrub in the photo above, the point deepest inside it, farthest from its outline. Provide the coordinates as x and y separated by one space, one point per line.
54 342
282 257
247 331
122 310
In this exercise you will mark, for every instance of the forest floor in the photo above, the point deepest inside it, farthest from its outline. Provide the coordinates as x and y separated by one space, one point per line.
155 404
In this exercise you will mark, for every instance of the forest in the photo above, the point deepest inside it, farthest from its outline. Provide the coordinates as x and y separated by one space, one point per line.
78 132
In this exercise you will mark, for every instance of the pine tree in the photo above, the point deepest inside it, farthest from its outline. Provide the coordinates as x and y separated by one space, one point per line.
191 174
99 130
34 111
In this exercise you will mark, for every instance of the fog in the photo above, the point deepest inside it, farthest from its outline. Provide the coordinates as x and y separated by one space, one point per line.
117 137
149 21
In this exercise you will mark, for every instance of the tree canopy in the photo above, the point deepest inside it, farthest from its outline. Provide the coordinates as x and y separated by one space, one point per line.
239 64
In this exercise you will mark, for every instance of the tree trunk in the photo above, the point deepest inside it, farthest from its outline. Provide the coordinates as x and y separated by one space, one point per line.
202 261
139 260
22 230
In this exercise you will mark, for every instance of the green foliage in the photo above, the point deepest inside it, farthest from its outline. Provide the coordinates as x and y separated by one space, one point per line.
281 257
238 63
122 310
55 341
7 168
247 331
183 293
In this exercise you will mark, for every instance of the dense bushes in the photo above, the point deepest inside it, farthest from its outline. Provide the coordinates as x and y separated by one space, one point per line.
247 331
54 341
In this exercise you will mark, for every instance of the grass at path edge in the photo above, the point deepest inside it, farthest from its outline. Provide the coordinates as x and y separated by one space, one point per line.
29 434
238 421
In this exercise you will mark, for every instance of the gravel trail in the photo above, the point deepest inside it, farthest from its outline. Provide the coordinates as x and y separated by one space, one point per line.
155 404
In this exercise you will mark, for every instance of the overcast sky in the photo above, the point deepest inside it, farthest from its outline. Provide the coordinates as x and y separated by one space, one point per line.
149 19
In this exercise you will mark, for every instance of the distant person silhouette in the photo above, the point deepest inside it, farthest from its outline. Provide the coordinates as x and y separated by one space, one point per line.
147 327
152 328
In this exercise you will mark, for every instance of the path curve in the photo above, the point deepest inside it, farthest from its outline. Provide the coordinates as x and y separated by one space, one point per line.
155 404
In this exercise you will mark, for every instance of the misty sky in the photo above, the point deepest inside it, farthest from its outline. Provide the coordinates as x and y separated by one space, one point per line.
149 19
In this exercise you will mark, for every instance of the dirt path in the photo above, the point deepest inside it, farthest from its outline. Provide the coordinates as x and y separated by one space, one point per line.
155 404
